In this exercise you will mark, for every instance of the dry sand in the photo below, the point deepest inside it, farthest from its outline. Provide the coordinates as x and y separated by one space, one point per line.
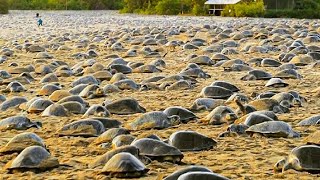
233 157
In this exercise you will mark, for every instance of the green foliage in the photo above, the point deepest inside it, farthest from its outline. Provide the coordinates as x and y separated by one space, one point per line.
3 7
246 8
306 4
169 7
288 13
63 4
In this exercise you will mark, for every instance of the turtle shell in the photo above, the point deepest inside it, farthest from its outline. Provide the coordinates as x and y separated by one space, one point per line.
124 165
12 102
58 95
226 85
55 110
150 120
39 105
175 175
33 157
191 141
110 134
122 140
22 141
18 122
313 138
184 114
125 106
86 128
48 89
215 92
313 120
158 150
273 129
201 175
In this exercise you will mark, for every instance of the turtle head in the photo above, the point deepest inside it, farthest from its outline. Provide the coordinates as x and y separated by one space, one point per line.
279 165
174 119
292 164
144 87
296 102
231 117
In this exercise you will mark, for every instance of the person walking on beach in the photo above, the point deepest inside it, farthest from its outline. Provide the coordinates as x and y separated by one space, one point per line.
40 22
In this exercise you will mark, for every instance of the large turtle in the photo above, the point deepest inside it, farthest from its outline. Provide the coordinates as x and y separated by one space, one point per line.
313 138
215 92
220 115
22 141
256 118
276 83
154 120
14 86
97 110
205 104
175 175
74 107
92 91
256 75
191 141
158 150
122 140
184 114
58 95
33 158
39 105
48 89
313 120
303 158
273 129
19 123
201 175
12 102
109 135
226 85
268 104
55 110
85 80
85 128
124 165
103 159
125 106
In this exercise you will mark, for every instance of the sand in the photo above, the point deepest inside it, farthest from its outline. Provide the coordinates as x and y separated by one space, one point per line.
233 157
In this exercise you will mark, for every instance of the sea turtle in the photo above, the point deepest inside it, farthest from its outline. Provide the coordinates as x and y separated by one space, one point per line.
12 102
270 114
311 121
154 120
179 85
85 80
39 105
201 175
313 138
58 95
48 89
191 141
256 118
74 107
220 115
146 69
2 98
77 89
55 110
74 98
102 75
19 123
14 86
175 175
109 135
207 104
202 60
257 75
184 114
51 77
92 91
117 77
33 158
21 141
107 122
110 88
268 62
85 128
125 106
122 140
234 129
120 68
103 159
195 73
127 84
268 104
302 158
288 74
97 110
226 85
215 92
302 60
158 150
276 83
124 165
272 129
